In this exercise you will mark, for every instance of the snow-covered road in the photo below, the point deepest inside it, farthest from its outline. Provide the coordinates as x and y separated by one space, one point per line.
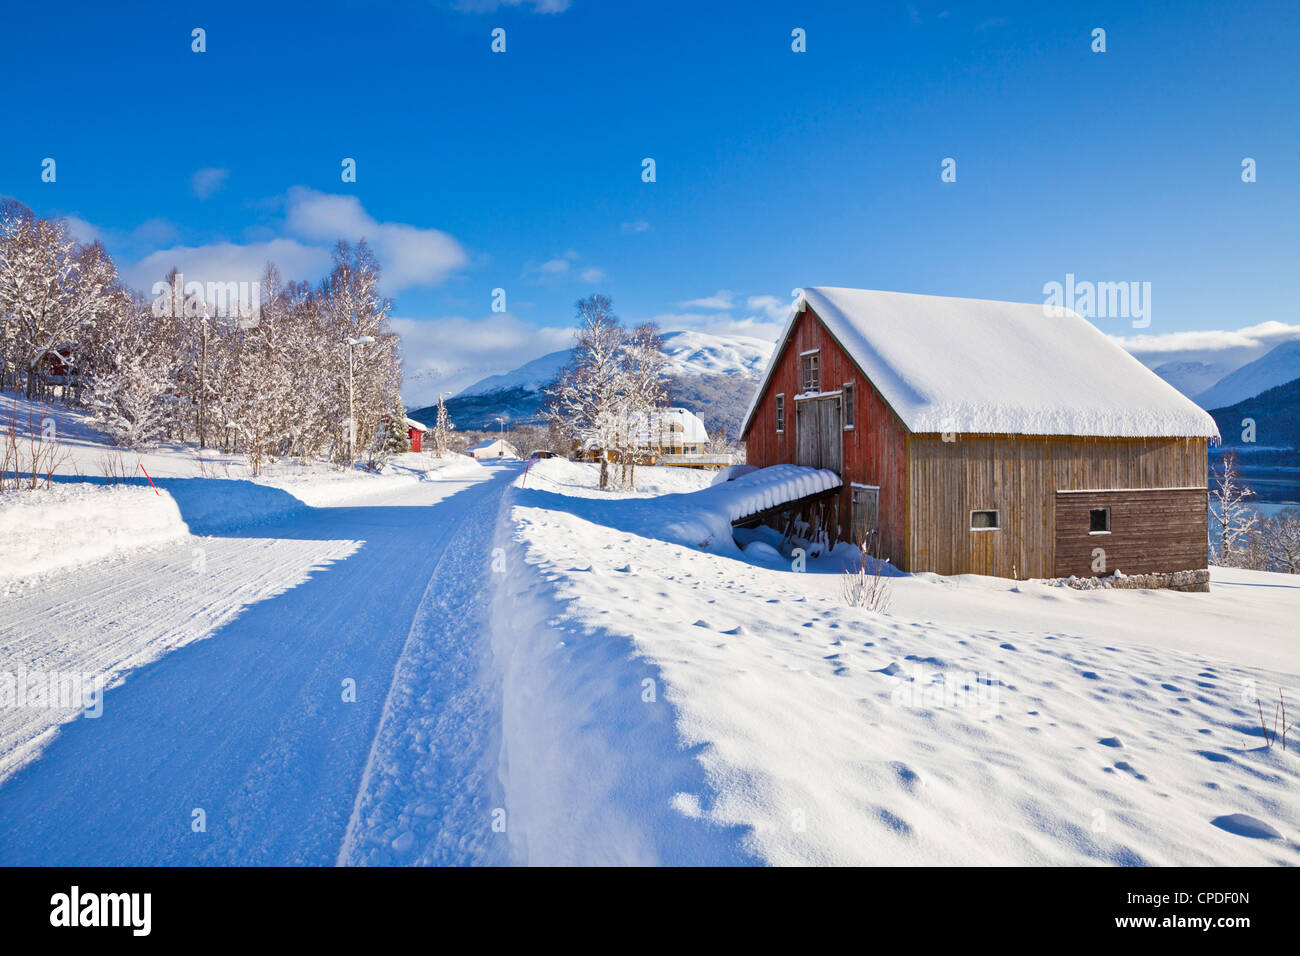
233 738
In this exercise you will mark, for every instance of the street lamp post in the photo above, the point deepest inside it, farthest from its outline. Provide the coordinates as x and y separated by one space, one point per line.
352 421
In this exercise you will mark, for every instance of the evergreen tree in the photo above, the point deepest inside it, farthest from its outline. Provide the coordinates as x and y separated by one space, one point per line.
395 439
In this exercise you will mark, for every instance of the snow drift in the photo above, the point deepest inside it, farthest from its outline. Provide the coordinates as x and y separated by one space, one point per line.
700 518
47 530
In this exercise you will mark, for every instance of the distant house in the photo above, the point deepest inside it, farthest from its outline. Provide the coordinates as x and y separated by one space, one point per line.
415 432
661 433
493 448
984 437
56 365
670 431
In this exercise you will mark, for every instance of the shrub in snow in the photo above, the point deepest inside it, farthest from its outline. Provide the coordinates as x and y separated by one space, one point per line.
865 581
28 456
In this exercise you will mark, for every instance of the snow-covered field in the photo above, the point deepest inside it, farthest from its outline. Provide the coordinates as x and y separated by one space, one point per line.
664 704
106 501
455 662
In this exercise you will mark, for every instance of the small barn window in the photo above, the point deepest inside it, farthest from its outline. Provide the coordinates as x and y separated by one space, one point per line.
812 373
848 405
984 521
1099 521
780 413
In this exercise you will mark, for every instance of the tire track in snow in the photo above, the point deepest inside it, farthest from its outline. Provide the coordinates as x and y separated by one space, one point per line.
110 619
430 784
248 726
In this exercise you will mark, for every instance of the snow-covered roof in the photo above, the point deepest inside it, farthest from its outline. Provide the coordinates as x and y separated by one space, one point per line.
977 366
492 444
661 427
412 423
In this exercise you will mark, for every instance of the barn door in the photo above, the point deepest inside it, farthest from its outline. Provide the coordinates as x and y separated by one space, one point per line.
830 433
806 452
819 434
866 517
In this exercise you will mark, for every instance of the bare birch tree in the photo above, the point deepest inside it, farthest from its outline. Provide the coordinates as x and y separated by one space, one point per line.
1236 518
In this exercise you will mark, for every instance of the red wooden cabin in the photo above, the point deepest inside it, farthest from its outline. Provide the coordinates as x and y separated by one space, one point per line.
415 431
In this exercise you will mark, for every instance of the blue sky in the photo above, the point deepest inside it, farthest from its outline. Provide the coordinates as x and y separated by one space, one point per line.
774 169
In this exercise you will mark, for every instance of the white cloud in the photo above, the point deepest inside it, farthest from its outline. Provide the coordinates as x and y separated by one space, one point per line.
230 262
561 267
771 306
761 316
83 231
410 255
320 216
153 232
552 267
451 353
150 233
639 225
721 300
206 182
1230 349
719 323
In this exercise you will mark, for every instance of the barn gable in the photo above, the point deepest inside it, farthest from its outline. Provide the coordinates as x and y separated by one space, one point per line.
969 366
872 450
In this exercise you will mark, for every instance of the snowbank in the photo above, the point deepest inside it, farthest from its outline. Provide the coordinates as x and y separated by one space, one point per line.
698 518
591 761
453 466
731 473
672 705
581 478
47 530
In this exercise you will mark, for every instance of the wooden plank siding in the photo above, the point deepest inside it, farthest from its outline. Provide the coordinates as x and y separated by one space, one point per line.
1151 531
1019 476
874 450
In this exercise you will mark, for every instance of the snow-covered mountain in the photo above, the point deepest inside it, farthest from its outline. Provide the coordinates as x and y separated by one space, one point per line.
1277 367
1191 378
701 353
531 376
702 369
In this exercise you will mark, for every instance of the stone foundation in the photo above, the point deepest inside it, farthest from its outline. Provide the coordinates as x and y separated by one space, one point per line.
1169 581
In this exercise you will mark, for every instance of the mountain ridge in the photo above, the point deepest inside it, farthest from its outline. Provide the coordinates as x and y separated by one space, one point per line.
710 374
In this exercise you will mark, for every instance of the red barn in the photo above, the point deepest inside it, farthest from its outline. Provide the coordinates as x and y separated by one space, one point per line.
415 431
985 437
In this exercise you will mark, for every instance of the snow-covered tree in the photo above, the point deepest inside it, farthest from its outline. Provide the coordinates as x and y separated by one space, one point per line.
644 393
608 385
1277 539
352 306
132 388
1236 519
51 288
274 387
394 439
442 429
